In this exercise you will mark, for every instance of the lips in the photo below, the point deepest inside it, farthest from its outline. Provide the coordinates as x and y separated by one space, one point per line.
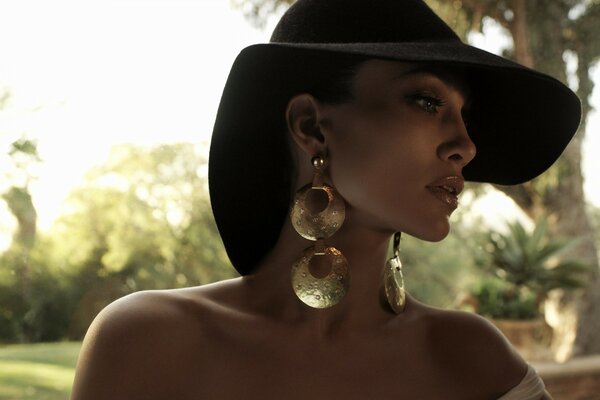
447 190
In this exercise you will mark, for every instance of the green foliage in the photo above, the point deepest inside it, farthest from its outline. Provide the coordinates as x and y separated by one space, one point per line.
453 14
500 300
26 147
523 267
259 11
530 259
21 159
438 273
34 300
142 211
20 316
140 221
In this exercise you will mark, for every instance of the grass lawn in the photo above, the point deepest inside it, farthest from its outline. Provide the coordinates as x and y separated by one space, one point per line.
41 371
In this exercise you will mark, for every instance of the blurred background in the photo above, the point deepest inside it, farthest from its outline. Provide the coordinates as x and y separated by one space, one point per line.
106 112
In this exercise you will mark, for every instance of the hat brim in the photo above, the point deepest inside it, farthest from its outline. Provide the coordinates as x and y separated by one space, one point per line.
521 121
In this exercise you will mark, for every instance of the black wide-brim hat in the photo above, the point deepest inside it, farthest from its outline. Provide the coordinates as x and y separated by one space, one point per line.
520 120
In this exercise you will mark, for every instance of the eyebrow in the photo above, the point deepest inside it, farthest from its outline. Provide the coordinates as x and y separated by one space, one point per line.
449 78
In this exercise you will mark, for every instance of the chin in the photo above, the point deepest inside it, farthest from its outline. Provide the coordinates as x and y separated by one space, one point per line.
431 233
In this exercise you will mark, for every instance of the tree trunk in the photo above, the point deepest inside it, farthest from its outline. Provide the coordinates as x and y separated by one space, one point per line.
519 33
577 319
587 340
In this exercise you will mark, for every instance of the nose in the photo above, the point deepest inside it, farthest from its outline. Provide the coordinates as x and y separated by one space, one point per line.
458 148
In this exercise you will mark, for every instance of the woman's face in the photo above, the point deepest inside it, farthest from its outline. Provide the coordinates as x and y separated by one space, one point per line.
397 150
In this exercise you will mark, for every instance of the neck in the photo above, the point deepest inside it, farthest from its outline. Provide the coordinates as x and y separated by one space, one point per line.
366 252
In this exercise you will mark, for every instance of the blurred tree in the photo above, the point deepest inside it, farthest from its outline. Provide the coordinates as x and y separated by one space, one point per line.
32 298
141 221
21 158
595 221
440 274
544 34
21 206
16 261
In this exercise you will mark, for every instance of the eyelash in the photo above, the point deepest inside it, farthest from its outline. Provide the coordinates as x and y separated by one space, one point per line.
429 103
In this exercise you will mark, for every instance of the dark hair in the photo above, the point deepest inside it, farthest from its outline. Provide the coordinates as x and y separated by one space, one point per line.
331 83
334 84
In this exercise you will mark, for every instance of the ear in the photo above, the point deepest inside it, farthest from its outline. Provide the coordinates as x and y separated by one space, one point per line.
302 116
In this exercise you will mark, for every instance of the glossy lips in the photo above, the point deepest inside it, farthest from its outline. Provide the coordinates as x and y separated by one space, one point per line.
447 190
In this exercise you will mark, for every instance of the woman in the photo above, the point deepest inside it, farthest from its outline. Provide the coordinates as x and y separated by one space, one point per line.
360 120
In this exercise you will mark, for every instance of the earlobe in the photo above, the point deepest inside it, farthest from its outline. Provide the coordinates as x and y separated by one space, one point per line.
302 116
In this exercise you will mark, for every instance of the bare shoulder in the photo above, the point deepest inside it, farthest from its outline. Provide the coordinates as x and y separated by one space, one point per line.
140 344
473 351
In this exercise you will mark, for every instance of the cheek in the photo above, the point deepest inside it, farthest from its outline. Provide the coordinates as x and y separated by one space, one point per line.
378 155
379 171
383 174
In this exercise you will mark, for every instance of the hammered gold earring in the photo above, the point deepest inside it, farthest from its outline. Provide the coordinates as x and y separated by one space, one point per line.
327 291
394 280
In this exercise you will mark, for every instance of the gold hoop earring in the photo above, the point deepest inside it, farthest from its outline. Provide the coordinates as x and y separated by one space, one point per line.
314 291
394 280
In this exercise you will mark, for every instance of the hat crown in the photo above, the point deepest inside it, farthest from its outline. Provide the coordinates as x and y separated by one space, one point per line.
361 21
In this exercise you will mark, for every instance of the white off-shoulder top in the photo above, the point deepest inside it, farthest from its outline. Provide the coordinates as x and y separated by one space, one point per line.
531 387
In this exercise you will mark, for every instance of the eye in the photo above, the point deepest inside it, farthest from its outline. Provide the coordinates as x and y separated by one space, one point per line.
428 102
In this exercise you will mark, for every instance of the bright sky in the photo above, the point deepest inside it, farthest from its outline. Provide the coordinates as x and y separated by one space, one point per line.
87 74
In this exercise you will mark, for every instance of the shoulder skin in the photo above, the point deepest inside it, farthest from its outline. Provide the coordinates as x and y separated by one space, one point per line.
475 353
136 345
